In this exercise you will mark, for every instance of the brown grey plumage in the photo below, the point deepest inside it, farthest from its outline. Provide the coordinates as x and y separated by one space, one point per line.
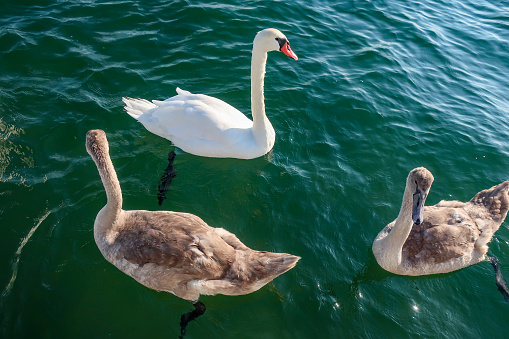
451 235
172 251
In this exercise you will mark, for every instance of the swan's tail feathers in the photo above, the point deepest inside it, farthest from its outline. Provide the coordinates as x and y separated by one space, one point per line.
137 107
261 267
280 263
495 200
250 271
182 92
500 280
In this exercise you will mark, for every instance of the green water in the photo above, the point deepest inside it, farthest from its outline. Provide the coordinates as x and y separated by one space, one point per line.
380 87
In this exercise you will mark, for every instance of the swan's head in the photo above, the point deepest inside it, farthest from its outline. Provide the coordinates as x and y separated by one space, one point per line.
96 143
271 39
419 182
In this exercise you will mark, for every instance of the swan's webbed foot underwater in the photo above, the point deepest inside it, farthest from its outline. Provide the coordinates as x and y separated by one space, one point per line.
501 282
167 177
199 309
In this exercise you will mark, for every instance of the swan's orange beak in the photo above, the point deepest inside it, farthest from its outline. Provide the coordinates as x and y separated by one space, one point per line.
288 51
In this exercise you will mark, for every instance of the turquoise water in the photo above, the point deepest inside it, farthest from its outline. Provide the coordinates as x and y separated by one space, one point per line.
380 87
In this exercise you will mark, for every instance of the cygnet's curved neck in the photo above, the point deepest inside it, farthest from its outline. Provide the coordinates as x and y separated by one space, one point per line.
260 122
110 213
390 247
404 222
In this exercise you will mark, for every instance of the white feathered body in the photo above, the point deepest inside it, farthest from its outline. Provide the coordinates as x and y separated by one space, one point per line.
202 125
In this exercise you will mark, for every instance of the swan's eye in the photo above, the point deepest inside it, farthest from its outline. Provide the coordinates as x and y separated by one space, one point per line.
281 42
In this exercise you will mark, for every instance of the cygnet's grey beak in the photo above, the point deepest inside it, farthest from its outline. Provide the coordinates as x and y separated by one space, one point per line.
418 207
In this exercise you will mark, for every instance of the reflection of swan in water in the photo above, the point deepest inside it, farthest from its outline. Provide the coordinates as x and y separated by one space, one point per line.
368 274
168 175
206 126
441 238
176 252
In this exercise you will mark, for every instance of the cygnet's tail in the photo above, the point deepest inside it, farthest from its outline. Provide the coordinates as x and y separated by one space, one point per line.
495 200
137 107
260 267
248 273
276 264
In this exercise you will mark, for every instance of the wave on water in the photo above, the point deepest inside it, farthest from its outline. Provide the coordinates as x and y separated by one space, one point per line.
17 256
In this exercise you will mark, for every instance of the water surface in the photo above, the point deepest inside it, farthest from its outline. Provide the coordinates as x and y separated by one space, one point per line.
380 87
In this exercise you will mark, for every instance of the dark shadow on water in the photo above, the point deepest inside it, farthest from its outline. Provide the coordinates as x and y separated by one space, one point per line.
167 177
186 318
370 272
500 280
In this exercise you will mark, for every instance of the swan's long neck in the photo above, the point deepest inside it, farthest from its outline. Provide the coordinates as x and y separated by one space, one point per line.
110 213
262 128
388 249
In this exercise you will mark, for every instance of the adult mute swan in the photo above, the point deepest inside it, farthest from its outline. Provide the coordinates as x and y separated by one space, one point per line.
441 238
206 126
176 252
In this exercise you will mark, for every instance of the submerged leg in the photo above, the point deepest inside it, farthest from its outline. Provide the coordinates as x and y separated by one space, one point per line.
501 283
199 309
167 177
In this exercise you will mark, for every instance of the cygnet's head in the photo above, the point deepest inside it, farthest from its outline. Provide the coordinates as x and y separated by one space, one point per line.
419 182
271 39
96 143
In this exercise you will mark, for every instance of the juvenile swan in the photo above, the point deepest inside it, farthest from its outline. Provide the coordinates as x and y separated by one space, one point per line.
209 127
176 252
441 238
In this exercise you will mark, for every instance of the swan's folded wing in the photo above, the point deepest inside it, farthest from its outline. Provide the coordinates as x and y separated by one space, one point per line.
207 127
148 244
199 110
446 233
172 240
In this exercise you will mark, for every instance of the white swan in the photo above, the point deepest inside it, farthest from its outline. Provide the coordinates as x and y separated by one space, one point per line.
176 252
206 126
441 238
